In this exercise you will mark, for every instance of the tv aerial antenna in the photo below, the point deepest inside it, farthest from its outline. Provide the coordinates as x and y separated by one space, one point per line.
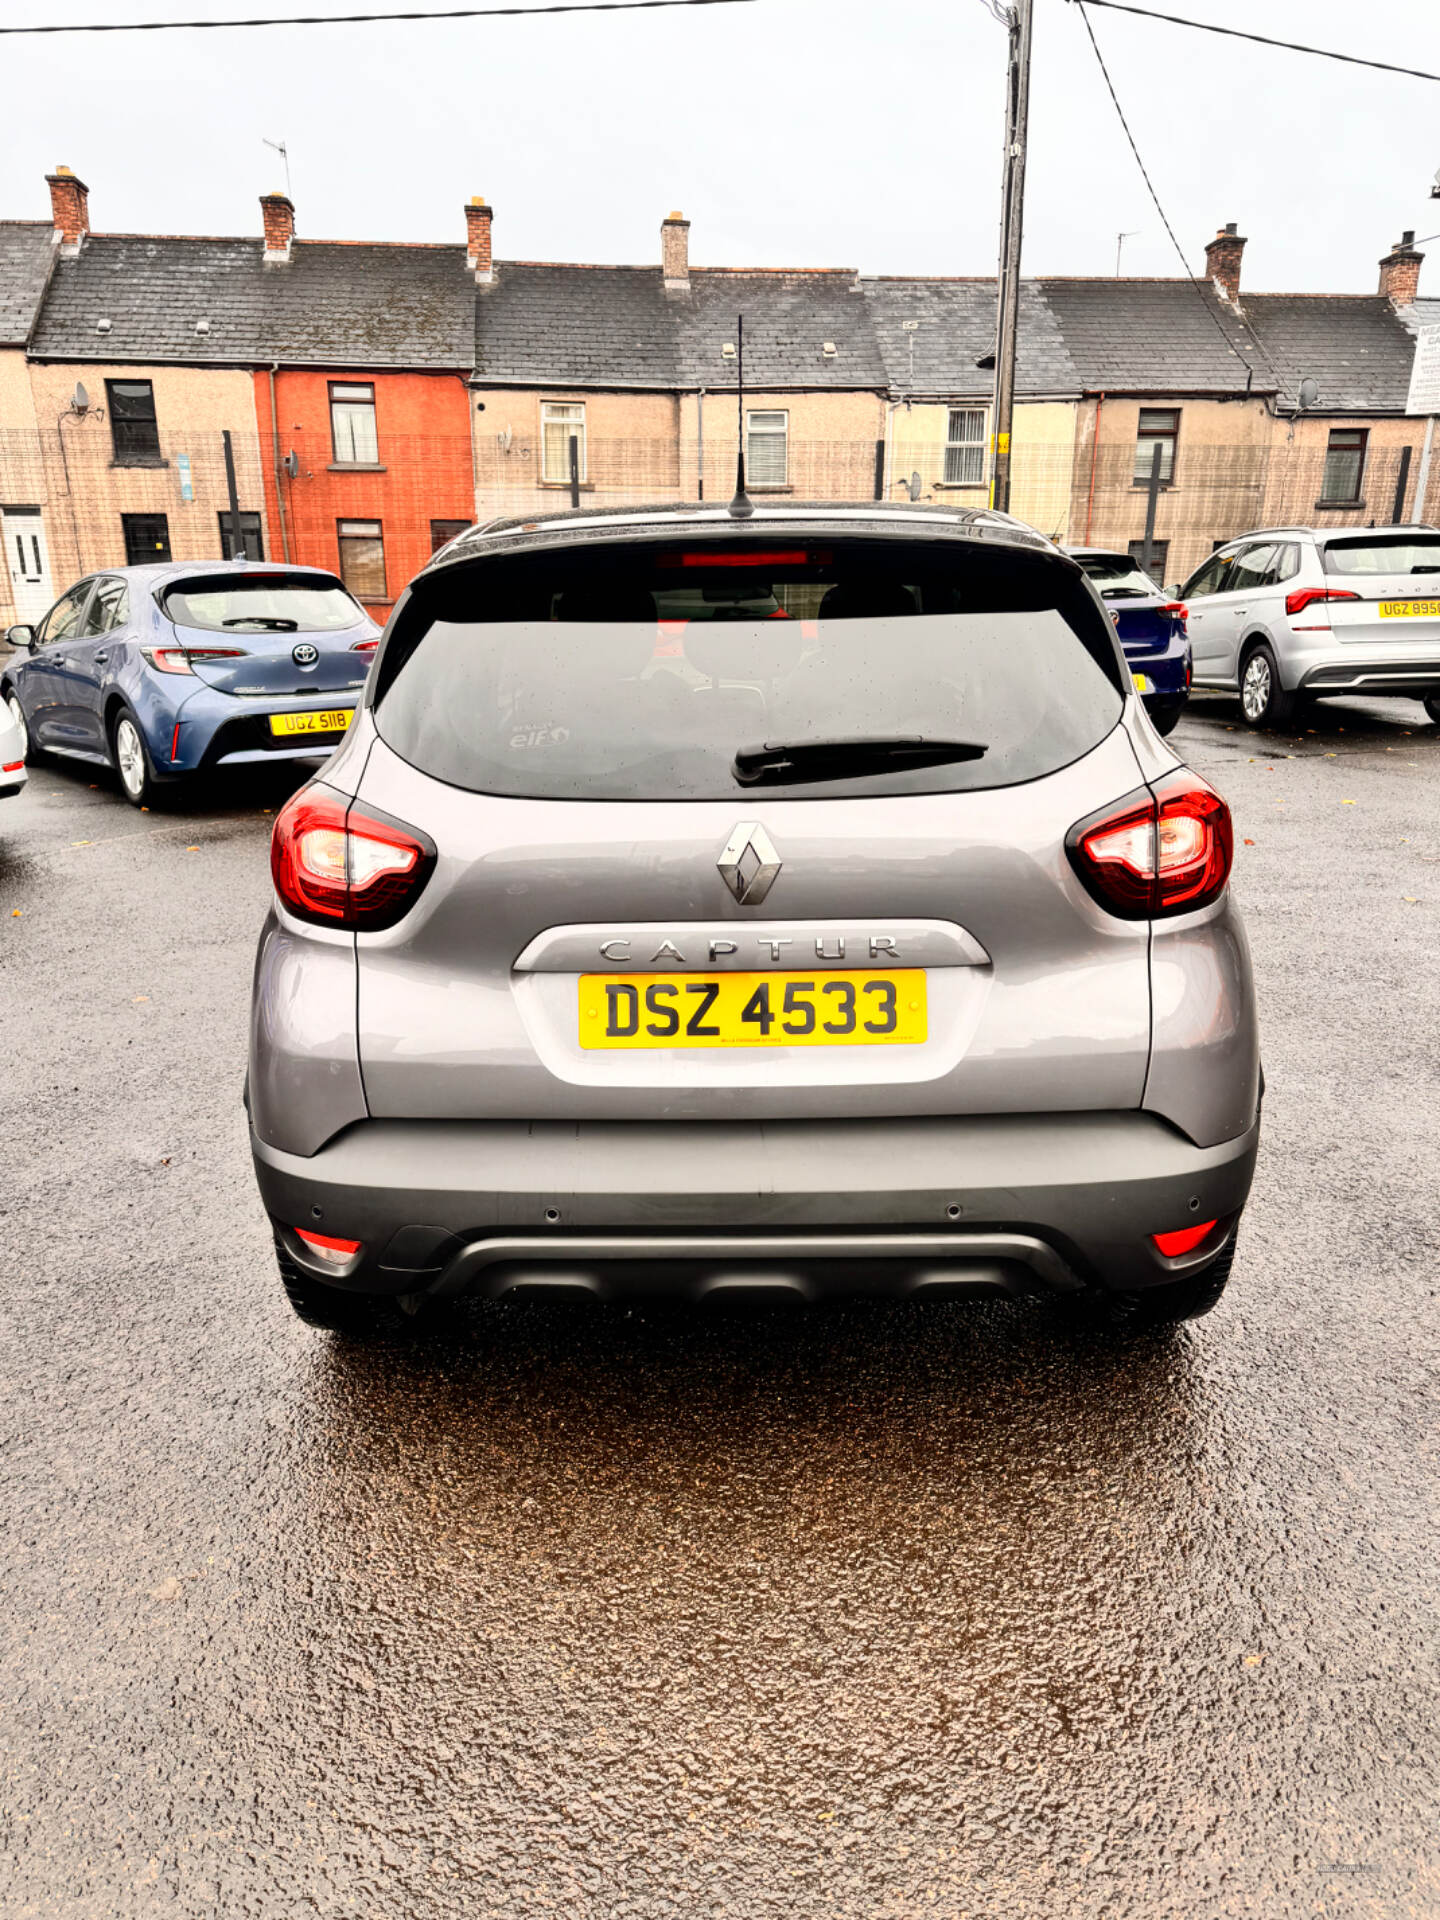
284 153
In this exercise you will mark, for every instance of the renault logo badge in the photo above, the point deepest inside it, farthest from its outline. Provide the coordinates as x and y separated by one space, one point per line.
749 863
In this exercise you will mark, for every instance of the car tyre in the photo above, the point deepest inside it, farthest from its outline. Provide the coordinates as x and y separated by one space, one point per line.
1167 1305
33 755
1432 707
1263 701
132 760
1166 718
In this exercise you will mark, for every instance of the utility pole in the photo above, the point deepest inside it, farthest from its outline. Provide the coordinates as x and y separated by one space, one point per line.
1012 216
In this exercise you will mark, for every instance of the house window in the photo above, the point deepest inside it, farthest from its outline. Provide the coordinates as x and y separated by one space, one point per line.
352 424
362 558
1159 427
147 538
560 422
1344 467
767 438
133 432
443 531
965 447
250 527
1159 556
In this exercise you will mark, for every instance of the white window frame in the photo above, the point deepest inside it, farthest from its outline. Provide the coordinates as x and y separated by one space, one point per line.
958 442
571 415
348 409
767 434
363 530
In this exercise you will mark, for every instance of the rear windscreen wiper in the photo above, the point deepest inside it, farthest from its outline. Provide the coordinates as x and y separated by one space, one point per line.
263 622
786 763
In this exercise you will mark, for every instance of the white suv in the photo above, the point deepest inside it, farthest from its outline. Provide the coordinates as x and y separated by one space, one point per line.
1292 613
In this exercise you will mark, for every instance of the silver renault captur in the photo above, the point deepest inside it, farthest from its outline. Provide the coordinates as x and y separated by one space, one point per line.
796 904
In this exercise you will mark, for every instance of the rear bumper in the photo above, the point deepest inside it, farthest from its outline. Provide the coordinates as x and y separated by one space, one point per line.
1166 673
1419 679
1017 1203
222 729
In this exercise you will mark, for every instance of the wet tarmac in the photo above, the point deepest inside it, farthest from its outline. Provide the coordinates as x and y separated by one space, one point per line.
857 1612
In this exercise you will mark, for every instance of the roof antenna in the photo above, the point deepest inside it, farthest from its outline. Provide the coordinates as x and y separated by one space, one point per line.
284 153
741 507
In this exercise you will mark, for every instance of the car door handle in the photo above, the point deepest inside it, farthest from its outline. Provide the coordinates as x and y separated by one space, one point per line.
101 658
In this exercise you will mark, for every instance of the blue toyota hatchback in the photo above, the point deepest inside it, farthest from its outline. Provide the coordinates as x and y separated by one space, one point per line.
164 671
1152 630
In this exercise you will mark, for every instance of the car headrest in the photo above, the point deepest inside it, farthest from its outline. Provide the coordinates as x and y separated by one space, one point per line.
867 600
744 649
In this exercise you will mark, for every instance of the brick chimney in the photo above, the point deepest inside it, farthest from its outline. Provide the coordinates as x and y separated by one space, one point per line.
1400 271
69 208
1222 263
278 214
478 217
675 252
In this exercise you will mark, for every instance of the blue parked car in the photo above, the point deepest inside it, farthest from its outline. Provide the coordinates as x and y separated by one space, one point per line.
1152 631
165 670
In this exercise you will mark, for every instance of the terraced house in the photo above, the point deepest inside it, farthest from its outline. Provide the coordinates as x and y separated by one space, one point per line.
380 397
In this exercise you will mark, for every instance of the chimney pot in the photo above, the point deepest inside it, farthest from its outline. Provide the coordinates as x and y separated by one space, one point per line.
69 208
675 252
1400 271
1222 262
277 212
478 218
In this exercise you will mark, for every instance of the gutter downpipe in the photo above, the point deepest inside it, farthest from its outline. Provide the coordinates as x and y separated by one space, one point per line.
275 457
700 443
1094 456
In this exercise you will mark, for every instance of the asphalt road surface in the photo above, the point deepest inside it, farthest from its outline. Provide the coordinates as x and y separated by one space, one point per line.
854 1612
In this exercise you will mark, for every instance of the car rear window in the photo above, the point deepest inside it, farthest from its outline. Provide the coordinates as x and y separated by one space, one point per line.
629 673
1116 575
263 606
1384 553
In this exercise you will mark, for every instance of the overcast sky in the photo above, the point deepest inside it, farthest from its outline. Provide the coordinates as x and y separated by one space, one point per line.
790 132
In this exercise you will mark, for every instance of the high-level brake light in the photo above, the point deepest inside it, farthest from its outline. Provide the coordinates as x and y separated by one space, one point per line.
345 866
1167 853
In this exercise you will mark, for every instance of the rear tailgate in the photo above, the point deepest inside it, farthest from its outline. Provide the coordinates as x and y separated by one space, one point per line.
1395 578
1034 999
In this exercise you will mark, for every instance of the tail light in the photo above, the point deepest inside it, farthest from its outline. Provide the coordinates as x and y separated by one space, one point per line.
1303 597
1167 853
1179 613
345 866
366 646
1183 1240
177 659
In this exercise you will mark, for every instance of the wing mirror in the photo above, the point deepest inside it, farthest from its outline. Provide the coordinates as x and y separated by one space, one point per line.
21 638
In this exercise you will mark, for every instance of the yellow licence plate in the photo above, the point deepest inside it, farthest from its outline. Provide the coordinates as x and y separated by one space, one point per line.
334 722
1410 609
839 1009
1142 684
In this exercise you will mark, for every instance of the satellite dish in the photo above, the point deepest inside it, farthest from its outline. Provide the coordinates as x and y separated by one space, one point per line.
1435 190
1309 393
291 464
914 486
80 399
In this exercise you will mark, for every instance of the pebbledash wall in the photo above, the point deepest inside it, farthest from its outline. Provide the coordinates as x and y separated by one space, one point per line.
420 481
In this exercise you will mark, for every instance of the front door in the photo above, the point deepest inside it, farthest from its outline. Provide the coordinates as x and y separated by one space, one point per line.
23 530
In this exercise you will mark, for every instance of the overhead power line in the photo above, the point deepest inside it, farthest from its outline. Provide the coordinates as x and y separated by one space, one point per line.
1164 217
1238 33
364 19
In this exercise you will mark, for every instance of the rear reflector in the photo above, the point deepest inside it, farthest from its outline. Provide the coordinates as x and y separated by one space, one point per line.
12 766
1168 852
338 1252
1183 1240
346 866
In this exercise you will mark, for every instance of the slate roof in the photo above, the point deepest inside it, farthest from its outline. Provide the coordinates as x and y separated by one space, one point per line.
333 304
355 305
584 326
26 249
956 328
